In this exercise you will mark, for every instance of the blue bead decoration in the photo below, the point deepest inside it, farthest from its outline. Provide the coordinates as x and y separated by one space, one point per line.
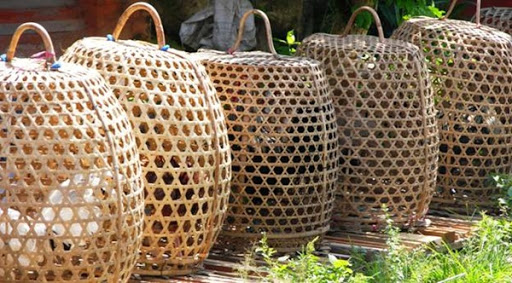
110 37
3 57
55 66
165 47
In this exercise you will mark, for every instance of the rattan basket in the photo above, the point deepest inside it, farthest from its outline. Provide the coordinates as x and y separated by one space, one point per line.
498 18
386 126
471 70
282 132
71 194
182 139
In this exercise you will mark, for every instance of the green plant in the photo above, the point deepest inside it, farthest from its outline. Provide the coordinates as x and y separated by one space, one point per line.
394 258
394 12
391 265
306 267
248 265
504 183
406 9
288 46
485 257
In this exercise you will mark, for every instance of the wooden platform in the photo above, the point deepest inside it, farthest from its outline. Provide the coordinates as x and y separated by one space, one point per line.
221 267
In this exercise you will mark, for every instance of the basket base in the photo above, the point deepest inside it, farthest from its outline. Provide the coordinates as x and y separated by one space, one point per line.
168 269
236 243
464 207
355 224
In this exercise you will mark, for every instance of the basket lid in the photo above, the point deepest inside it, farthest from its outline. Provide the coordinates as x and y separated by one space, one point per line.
449 29
456 28
498 17
365 43
132 50
254 58
43 64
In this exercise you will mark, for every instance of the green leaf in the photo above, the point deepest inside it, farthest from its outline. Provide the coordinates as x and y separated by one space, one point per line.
283 50
509 192
364 20
341 263
290 37
436 12
279 40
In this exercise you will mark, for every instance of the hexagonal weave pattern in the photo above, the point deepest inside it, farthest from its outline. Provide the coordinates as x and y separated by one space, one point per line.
71 194
497 17
471 71
386 126
282 132
182 139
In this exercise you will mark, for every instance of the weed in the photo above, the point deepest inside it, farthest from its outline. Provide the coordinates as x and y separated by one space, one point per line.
485 257
304 268
288 46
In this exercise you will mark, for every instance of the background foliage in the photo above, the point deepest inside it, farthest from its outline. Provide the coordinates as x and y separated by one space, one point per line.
305 17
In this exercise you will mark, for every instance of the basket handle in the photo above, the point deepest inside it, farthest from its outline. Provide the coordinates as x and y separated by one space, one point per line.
241 28
50 52
452 5
375 18
160 36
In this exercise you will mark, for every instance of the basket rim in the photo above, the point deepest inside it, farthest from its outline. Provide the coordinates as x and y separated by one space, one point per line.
403 46
101 44
259 59
482 32
66 72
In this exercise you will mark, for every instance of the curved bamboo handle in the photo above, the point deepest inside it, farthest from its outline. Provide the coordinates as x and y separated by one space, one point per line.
375 17
452 5
268 30
42 33
160 36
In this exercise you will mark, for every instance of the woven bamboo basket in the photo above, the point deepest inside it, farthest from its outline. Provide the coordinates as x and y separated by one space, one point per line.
471 71
181 135
387 131
71 194
282 132
497 17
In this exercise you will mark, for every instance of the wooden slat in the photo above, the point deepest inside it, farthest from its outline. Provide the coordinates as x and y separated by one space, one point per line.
220 267
434 231
50 26
32 4
346 248
422 239
10 16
